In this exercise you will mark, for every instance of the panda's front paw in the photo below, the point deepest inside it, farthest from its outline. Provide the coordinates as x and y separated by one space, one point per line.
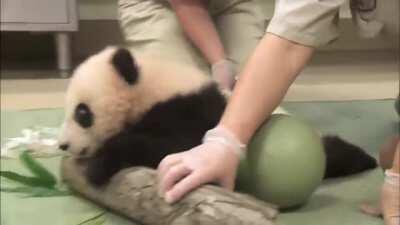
99 171
96 177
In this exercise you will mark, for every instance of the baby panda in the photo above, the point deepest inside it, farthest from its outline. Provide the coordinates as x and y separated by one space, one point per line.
123 111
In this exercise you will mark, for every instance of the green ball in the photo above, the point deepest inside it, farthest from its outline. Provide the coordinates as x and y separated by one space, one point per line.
244 179
285 162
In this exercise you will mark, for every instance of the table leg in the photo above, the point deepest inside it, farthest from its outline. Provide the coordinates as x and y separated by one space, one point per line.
64 61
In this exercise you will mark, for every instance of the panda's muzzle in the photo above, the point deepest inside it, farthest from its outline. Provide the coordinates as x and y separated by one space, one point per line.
63 147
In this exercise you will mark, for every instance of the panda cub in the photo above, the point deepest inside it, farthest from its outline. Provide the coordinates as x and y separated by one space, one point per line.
123 111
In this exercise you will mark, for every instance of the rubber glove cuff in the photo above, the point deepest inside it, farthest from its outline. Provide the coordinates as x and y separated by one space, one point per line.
225 137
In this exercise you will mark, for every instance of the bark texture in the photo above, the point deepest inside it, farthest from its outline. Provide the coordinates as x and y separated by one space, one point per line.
133 193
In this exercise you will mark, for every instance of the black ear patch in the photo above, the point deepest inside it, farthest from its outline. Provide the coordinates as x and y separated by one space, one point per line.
125 65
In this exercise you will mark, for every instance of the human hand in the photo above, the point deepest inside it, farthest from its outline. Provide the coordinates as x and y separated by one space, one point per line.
216 160
223 73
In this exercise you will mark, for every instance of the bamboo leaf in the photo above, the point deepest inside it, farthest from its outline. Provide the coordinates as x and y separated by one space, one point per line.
30 181
96 220
36 191
46 192
17 189
37 169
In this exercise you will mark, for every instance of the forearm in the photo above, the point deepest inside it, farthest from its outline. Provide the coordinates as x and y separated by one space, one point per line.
396 160
263 83
199 28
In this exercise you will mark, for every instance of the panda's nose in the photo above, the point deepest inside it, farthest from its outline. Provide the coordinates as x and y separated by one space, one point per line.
64 147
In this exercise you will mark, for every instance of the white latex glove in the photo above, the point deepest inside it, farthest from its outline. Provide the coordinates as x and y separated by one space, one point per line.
223 72
216 160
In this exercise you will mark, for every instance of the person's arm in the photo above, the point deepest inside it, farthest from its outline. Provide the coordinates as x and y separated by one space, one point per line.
198 26
272 68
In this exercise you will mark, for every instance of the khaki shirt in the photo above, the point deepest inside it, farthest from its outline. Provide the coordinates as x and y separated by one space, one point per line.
308 22
315 22
152 26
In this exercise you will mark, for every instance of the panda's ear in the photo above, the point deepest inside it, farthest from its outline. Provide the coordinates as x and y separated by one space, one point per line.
124 63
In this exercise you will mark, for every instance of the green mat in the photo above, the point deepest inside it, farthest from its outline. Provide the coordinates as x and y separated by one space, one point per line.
366 123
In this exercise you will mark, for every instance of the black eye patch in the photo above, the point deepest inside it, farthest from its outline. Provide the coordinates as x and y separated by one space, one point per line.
83 116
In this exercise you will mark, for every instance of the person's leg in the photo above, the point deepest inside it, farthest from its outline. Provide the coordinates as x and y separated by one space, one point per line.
241 24
396 161
150 26
387 151
390 196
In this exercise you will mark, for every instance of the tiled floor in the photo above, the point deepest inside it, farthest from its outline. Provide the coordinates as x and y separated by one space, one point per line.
330 77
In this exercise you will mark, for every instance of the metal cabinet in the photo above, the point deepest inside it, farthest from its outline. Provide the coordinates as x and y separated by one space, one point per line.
59 16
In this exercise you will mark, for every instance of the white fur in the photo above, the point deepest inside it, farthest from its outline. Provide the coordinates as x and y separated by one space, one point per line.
114 102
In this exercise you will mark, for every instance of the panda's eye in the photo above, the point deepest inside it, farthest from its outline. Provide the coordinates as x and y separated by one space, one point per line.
83 115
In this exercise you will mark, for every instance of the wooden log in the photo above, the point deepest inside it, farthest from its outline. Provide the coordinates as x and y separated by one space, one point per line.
133 193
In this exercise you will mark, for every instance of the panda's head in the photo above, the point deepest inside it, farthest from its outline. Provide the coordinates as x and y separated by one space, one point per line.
112 89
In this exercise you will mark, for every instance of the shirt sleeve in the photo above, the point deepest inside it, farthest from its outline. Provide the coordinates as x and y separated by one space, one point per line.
308 22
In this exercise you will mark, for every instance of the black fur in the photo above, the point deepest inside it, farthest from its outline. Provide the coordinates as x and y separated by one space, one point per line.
179 124
344 158
172 126
125 65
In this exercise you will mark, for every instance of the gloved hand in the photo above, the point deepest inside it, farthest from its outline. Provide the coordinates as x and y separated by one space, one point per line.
223 72
216 160
390 198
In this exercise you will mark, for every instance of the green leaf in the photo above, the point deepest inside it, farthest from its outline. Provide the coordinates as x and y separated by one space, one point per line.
45 192
37 169
17 189
30 181
36 191
96 220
